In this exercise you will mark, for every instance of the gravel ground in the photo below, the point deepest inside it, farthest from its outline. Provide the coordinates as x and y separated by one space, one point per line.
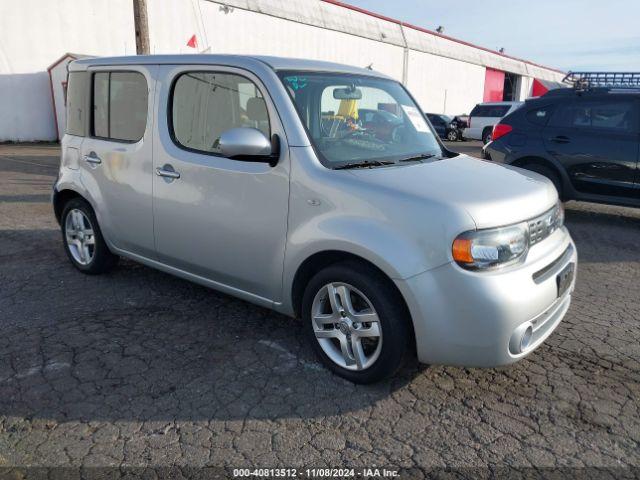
141 369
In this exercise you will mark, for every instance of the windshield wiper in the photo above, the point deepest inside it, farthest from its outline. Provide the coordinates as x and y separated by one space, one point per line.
417 158
365 164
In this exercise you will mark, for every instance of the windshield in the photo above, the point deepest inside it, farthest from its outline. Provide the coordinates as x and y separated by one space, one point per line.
353 119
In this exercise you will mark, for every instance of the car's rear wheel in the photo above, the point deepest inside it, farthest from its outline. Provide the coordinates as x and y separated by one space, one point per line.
356 322
83 239
486 135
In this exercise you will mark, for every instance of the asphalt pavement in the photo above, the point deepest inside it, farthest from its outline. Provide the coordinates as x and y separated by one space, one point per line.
140 370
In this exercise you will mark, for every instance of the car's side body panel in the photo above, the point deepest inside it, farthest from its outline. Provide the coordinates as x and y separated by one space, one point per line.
593 164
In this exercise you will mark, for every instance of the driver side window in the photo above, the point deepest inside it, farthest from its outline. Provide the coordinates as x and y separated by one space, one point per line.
207 104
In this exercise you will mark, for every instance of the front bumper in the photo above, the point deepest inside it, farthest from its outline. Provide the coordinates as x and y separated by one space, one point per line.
477 319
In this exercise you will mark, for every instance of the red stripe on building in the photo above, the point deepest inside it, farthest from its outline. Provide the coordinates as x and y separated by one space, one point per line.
493 85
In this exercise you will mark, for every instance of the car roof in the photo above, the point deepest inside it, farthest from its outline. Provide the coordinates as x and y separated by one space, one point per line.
500 103
276 63
569 92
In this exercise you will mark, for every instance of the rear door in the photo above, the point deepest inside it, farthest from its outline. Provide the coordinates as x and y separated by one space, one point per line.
116 157
596 141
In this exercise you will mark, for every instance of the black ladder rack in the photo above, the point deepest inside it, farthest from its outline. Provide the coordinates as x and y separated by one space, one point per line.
587 80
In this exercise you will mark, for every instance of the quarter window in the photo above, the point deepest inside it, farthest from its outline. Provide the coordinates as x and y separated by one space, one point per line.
76 106
119 105
207 104
540 116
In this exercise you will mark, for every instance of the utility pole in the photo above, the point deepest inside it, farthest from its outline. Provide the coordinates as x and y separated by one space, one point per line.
141 26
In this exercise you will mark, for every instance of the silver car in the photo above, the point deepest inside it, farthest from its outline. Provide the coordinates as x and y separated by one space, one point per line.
265 179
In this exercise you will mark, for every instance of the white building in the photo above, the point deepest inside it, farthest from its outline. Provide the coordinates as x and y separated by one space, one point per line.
445 75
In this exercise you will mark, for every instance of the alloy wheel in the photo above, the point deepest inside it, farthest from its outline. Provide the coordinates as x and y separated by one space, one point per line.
346 326
80 237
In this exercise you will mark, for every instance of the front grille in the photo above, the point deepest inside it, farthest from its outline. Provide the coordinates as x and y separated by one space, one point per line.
554 267
544 225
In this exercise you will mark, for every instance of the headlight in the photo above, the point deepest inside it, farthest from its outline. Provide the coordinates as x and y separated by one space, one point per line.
498 247
491 248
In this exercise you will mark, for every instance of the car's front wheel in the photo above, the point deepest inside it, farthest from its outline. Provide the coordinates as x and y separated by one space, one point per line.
356 322
452 136
83 239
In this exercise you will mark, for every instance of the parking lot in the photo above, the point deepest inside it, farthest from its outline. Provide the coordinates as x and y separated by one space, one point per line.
138 368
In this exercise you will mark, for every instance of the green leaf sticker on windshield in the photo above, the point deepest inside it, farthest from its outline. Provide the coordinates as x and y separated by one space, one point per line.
296 82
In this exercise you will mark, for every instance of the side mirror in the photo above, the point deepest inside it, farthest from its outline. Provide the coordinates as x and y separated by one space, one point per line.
246 144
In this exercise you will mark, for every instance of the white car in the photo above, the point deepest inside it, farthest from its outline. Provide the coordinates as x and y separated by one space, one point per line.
485 116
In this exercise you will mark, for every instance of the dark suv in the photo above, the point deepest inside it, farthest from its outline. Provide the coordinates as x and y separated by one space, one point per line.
586 142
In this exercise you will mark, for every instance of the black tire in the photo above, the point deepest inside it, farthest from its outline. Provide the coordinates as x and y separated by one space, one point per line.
549 173
102 259
389 305
486 135
452 136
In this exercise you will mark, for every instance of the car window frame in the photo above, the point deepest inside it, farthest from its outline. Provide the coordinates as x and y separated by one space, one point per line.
91 131
635 121
219 70
445 153
551 107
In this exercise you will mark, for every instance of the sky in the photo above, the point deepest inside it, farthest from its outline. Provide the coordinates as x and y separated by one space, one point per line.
564 34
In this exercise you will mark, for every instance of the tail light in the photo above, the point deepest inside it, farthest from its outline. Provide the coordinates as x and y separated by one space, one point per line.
500 130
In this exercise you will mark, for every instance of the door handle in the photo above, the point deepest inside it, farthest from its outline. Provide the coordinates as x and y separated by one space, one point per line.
168 172
560 139
92 158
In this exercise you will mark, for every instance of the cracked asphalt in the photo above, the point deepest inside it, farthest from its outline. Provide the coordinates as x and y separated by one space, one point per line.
140 369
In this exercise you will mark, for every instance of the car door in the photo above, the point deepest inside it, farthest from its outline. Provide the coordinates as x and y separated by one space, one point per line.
596 141
116 161
222 220
438 125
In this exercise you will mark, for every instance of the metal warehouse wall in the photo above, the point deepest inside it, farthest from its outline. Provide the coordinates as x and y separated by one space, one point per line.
447 76
171 24
35 33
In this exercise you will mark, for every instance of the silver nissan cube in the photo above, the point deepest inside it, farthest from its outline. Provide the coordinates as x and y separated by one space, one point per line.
320 191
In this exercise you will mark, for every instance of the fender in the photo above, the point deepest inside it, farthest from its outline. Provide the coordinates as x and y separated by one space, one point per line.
543 158
71 180
397 256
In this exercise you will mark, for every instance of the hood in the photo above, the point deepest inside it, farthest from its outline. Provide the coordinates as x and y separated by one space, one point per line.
493 195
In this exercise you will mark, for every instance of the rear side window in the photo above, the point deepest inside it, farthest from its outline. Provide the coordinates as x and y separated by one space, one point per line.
540 116
76 90
207 104
490 111
617 115
499 110
478 111
119 105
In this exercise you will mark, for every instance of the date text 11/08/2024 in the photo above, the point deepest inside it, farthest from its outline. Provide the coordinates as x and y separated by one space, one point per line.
315 472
